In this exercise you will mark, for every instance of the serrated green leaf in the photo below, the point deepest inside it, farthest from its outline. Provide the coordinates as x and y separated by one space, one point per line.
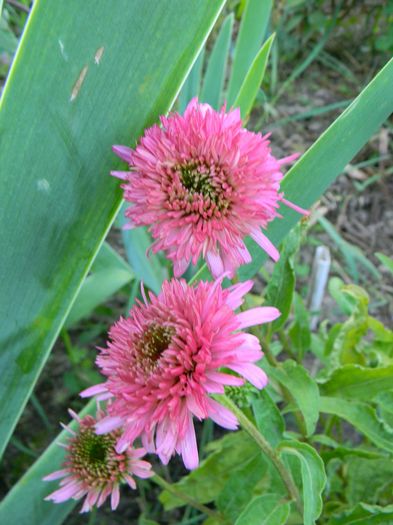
363 417
268 509
357 382
268 418
252 82
345 347
251 34
238 490
313 477
281 285
366 477
302 388
363 514
327 158
216 68
299 333
206 482
87 88
108 274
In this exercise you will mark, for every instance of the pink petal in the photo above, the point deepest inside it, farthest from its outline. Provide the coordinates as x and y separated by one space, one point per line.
222 416
237 292
56 475
130 481
265 244
180 266
108 424
255 375
122 175
123 152
189 448
115 497
215 264
224 379
258 315
289 159
300 210
94 390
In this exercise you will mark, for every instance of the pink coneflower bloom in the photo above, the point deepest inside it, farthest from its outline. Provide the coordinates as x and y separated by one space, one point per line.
164 361
93 468
202 183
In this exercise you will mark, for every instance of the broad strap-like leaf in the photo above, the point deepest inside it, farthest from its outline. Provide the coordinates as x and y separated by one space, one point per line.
252 82
252 31
109 273
214 77
87 75
326 159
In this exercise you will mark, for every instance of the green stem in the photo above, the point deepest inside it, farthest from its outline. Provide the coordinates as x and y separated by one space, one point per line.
266 448
187 499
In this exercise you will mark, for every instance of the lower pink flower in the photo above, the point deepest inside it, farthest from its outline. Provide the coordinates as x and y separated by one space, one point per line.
93 468
164 361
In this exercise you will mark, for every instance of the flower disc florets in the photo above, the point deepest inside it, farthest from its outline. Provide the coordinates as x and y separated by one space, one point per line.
202 183
93 468
164 361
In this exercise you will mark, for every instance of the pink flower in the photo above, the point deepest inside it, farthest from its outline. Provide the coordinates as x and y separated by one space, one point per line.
202 183
164 361
93 468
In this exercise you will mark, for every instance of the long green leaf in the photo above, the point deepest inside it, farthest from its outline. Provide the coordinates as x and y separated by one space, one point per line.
25 504
109 273
327 157
87 75
216 67
357 382
192 84
251 34
363 417
252 82
313 477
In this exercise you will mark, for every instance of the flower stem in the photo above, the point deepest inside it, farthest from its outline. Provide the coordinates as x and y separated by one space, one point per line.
187 499
266 448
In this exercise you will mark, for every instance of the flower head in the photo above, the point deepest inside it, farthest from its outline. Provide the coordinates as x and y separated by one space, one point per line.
202 183
164 361
93 468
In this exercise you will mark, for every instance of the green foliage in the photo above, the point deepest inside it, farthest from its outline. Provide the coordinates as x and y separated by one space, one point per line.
25 504
281 284
66 198
306 181
205 484
252 81
343 389
313 477
268 509
363 417
216 68
108 274
252 30
302 389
